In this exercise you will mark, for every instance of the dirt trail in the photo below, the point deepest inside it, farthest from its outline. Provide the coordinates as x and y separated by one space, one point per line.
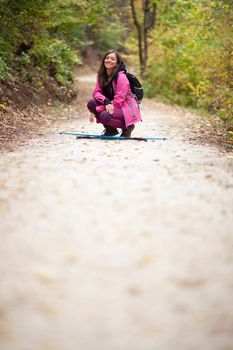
117 245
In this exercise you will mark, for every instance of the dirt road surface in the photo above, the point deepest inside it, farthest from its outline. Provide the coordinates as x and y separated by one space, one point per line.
117 245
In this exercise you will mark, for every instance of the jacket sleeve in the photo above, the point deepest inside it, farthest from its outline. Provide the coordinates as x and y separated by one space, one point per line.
121 90
98 93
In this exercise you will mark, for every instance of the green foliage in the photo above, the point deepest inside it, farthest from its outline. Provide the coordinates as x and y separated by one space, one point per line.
26 40
50 34
56 56
4 70
4 57
109 37
191 59
104 29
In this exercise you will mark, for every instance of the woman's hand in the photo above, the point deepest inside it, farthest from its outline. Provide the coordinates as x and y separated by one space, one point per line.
92 118
109 108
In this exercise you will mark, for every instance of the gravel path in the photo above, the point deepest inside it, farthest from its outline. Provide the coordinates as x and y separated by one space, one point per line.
117 245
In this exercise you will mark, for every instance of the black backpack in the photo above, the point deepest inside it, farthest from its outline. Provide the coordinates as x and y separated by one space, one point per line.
136 87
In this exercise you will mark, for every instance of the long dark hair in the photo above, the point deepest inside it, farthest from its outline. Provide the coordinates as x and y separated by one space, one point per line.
103 78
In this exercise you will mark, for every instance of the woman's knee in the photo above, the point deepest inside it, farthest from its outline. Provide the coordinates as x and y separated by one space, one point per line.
110 120
104 117
91 105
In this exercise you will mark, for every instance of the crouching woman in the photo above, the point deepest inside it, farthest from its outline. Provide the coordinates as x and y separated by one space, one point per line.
113 103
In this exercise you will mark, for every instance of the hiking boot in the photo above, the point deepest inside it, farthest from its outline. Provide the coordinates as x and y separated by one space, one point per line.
110 131
127 132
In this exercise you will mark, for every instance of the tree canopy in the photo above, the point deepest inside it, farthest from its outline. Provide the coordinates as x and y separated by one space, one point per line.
184 47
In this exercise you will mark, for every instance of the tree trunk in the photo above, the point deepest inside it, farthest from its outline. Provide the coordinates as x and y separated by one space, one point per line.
149 20
139 32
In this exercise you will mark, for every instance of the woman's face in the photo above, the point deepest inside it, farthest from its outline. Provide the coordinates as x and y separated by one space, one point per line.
110 61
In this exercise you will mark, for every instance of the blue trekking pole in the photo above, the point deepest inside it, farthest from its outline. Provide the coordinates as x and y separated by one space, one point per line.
102 137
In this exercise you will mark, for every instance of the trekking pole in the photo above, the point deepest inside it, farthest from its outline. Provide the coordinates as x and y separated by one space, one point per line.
96 136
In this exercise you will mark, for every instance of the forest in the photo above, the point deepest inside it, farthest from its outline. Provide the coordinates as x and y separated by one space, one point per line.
182 49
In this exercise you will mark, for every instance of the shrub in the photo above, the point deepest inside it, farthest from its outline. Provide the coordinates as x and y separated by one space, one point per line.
191 60
55 57
4 70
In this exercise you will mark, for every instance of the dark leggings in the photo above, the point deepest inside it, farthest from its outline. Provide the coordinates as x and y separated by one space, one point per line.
115 120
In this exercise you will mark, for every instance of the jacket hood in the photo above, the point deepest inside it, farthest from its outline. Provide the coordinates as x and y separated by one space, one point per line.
122 67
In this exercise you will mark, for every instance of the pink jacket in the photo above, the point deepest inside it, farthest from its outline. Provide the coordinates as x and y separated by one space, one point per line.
123 98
